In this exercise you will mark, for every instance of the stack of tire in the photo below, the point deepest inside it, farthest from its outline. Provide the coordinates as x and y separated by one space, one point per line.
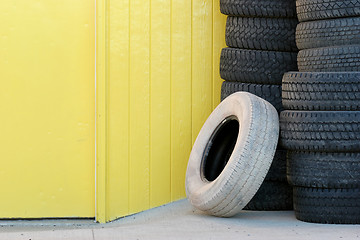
321 124
260 35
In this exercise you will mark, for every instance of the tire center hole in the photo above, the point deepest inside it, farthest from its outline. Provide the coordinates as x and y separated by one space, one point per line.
219 148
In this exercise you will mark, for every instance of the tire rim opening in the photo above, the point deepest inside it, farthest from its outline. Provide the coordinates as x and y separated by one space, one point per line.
219 148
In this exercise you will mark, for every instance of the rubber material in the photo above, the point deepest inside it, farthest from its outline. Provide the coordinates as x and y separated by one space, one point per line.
334 206
334 91
256 66
326 33
277 171
308 10
328 131
247 164
273 34
323 170
259 8
271 93
272 196
330 59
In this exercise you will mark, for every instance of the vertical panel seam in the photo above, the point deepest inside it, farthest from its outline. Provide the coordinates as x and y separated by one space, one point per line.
107 77
212 56
191 77
129 104
150 103
171 102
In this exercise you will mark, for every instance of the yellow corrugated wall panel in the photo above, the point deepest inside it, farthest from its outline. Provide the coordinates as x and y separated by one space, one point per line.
181 65
163 81
47 103
202 50
119 109
139 171
160 120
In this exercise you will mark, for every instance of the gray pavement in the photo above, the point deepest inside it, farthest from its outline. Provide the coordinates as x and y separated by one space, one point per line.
179 220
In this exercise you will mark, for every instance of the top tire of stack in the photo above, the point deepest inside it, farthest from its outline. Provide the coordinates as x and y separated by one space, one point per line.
259 8
309 10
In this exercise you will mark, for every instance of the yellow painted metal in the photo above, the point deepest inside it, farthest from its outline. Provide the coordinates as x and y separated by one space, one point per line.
102 103
181 94
159 83
160 93
47 106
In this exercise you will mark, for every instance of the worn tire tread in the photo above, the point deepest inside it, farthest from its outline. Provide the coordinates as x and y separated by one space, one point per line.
328 131
273 34
331 206
326 33
321 91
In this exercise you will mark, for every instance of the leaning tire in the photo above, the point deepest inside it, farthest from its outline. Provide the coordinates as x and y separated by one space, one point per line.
256 66
273 34
227 166
321 205
328 131
271 93
308 10
259 8
330 59
326 33
323 170
330 91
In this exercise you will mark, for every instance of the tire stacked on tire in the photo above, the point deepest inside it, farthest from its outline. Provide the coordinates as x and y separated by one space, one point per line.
260 36
321 124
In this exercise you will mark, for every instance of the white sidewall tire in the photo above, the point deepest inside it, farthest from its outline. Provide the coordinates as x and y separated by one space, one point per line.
249 162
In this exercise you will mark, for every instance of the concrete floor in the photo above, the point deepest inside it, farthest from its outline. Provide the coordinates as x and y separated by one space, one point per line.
180 221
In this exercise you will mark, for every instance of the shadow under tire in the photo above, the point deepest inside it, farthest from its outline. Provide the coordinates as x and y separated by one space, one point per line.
232 155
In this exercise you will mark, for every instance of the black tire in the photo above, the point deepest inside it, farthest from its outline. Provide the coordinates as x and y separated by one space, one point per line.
272 196
328 131
326 33
321 205
255 66
308 10
273 34
334 91
323 170
277 171
271 93
259 8
330 59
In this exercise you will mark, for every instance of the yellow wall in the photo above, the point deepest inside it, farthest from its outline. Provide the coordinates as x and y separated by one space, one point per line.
157 82
47 108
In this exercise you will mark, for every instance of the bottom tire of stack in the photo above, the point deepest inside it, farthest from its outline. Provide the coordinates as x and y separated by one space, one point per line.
319 199
275 193
327 205
326 186
322 138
